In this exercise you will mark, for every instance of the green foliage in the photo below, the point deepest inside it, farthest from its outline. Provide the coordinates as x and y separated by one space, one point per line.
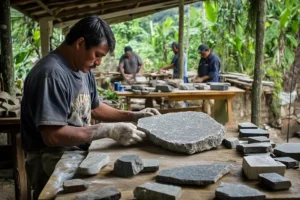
108 94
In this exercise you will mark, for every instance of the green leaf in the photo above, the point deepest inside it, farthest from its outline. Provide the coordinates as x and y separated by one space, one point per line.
289 55
211 11
36 35
292 39
284 18
295 26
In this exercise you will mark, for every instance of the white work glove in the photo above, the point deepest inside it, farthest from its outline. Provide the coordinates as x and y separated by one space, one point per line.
147 112
124 133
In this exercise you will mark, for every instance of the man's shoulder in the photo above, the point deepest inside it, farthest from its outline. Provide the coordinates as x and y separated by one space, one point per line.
214 56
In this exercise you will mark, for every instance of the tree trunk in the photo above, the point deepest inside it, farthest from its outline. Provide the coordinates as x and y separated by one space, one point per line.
181 38
6 68
259 57
165 51
187 38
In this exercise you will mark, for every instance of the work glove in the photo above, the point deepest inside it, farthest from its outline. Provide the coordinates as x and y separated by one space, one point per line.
124 133
147 112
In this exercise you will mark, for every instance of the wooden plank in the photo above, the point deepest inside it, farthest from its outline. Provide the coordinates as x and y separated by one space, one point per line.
46 30
171 110
169 159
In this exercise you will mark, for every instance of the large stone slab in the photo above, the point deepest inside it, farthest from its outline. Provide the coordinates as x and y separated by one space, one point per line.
274 181
104 193
194 175
229 191
164 88
187 132
128 166
255 165
75 185
254 148
157 191
231 143
219 87
187 86
290 149
288 162
253 132
150 165
92 164
247 125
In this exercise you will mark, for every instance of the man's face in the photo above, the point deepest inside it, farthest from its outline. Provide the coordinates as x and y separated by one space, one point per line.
128 54
175 50
87 59
204 54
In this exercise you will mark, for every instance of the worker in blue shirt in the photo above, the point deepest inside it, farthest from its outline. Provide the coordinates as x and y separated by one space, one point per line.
209 66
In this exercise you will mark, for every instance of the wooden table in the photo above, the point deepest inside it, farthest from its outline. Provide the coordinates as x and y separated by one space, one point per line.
169 159
11 126
180 95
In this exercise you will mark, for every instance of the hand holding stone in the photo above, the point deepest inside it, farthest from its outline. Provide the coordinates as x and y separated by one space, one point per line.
147 112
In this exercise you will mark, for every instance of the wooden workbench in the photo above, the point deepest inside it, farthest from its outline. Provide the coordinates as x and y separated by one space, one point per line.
180 95
170 159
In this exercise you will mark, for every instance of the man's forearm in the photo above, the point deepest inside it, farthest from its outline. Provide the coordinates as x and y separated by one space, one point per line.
106 113
168 67
122 72
61 136
204 78
140 69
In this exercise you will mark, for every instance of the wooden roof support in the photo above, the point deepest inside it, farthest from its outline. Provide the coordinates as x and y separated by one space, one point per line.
181 39
46 8
46 32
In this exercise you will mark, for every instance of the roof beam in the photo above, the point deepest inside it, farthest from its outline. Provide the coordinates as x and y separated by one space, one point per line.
46 8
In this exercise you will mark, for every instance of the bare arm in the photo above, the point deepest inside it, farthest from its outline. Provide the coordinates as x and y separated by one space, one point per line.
140 69
109 114
58 136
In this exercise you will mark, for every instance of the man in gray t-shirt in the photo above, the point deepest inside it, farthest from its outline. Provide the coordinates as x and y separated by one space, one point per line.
130 64
60 96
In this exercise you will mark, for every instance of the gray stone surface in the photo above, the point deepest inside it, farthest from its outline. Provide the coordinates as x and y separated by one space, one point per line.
290 149
247 125
9 107
253 132
137 91
231 143
218 83
93 163
255 165
104 193
202 87
257 154
194 175
219 87
187 86
138 87
157 191
258 139
187 132
229 191
164 88
128 166
4 96
150 165
274 181
175 82
254 148
75 185
288 162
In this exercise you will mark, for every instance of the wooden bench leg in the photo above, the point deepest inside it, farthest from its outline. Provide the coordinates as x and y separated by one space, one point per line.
20 177
229 111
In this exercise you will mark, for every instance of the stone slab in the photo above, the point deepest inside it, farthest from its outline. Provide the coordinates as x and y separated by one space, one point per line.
254 148
4 96
217 83
194 175
157 191
150 165
219 87
187 86
257 154
253 132
175 82
75 185
229 191
128 166
247 125
255 165
9 107
231 143
258 139
274 181
186 132
202 87
104 193
93 163
290 150
164 88
138 87
288 162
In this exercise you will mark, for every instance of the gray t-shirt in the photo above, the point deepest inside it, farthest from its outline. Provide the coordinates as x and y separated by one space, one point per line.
55 95
131 65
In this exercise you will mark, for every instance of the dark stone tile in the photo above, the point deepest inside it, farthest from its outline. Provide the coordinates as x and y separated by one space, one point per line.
274 181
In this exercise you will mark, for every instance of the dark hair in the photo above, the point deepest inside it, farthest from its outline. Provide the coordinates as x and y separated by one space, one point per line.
94 30
127 48
174 44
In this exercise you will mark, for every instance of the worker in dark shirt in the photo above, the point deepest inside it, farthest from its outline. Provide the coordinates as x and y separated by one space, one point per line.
130 64
209 66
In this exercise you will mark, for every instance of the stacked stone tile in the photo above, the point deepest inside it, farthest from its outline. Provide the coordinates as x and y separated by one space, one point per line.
10 105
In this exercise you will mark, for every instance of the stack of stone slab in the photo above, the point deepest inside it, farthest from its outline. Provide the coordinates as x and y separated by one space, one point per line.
247 129
130 165
10 105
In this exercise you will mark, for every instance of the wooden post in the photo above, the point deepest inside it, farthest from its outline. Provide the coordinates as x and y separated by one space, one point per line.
6 67
181 39
45 33
259 58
